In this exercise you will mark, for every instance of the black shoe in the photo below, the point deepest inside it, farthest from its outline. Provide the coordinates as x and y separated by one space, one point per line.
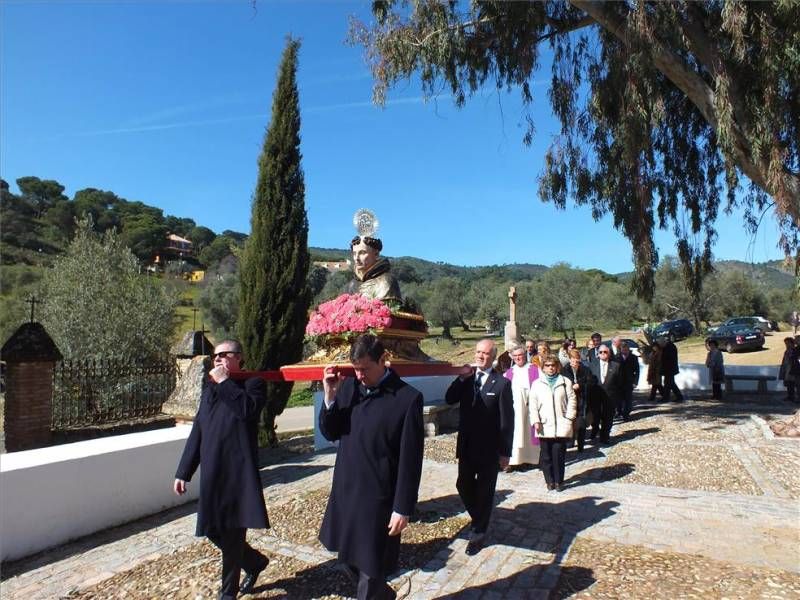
473 547
249 581
560 487
551 486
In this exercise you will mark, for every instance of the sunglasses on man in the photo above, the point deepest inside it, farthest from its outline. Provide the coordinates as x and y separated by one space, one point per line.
225 354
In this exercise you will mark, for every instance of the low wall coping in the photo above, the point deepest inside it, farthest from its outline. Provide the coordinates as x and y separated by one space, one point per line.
64 452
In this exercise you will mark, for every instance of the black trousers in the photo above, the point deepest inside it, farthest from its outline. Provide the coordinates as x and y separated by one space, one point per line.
237 554
670 387
372 588
476 487
552 458
790 390
602 416
657 387
716 391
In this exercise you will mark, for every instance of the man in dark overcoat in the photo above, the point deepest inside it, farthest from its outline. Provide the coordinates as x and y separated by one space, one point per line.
485 435
605 394
670 368
224 441
629 370
377 419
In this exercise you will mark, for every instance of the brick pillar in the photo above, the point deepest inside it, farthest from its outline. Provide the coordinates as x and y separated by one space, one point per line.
30 357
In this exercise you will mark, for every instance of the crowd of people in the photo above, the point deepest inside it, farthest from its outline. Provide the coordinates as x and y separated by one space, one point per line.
542 400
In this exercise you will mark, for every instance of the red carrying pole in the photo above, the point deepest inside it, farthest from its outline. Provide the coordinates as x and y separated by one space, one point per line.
302 372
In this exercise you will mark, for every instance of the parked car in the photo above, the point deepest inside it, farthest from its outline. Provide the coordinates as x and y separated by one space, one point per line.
633 345
737 337
759 323
678 329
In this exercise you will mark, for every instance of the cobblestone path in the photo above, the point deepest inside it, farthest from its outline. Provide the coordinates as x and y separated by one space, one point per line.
692 500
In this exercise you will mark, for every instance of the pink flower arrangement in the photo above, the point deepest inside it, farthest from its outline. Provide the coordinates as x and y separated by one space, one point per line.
346 315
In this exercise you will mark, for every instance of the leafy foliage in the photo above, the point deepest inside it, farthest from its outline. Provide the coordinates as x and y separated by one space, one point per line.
663 105
97 304
274 294
219 301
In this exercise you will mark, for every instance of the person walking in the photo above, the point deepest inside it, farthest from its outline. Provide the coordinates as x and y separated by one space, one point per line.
789 371
553 408
629 371
524 448
716 368
377 419
670 368
224 442
605 393
654 372
582 380
485 435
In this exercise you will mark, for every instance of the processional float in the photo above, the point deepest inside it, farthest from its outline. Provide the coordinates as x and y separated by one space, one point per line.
372 303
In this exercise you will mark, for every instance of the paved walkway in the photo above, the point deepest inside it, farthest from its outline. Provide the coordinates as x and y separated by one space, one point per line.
533 531
299 418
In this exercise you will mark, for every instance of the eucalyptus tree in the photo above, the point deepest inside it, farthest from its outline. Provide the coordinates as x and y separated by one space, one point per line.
669 111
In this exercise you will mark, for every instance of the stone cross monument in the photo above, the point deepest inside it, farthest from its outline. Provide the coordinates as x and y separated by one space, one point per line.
510 336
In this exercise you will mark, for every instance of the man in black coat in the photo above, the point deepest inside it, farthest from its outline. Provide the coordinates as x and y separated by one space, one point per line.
224 441
485 435
582 382
629 370
377 420
669 368
605 393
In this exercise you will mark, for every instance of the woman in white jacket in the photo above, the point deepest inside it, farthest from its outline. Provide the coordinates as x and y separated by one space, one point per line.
553 408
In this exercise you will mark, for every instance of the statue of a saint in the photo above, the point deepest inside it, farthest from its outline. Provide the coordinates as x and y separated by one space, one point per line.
373 276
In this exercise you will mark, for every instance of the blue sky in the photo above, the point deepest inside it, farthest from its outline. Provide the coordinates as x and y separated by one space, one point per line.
167 102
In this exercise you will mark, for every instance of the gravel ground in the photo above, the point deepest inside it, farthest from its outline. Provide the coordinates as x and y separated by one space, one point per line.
194 571
785 472
600 570
441 448
289 446
656 428
707 468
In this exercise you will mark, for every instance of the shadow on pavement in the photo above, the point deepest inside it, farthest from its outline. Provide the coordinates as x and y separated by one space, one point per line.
289 473
599 474
562 521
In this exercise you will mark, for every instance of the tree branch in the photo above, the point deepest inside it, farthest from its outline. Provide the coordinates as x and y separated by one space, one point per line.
701 95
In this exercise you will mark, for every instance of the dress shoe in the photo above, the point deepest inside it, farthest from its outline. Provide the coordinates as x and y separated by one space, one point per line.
474 546
560 487
249 581
551 486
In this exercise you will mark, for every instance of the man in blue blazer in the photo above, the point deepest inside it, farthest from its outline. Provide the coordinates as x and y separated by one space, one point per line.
485 435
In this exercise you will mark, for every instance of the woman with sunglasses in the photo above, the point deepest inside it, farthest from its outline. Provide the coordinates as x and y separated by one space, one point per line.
553 407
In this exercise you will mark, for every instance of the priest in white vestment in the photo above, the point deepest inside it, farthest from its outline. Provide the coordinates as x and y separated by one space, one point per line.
525 447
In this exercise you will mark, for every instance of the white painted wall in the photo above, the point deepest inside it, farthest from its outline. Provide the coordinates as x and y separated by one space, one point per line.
695 377
52 495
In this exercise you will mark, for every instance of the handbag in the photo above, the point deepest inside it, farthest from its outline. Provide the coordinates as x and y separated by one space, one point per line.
534 438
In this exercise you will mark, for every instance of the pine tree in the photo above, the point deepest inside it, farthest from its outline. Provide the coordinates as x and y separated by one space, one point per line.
274 295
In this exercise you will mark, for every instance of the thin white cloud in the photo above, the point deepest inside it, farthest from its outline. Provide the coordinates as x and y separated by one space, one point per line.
163 126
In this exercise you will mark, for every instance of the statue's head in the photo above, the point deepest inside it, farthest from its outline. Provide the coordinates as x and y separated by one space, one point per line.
366 251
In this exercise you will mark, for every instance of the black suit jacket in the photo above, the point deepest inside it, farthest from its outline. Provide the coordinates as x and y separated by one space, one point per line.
585 380
630 369
610 389
486 423
669 359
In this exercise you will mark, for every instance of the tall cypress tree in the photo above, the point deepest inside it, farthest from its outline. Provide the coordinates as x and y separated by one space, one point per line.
274 295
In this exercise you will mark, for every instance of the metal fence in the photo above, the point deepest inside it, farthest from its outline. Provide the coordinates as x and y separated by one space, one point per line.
90 392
